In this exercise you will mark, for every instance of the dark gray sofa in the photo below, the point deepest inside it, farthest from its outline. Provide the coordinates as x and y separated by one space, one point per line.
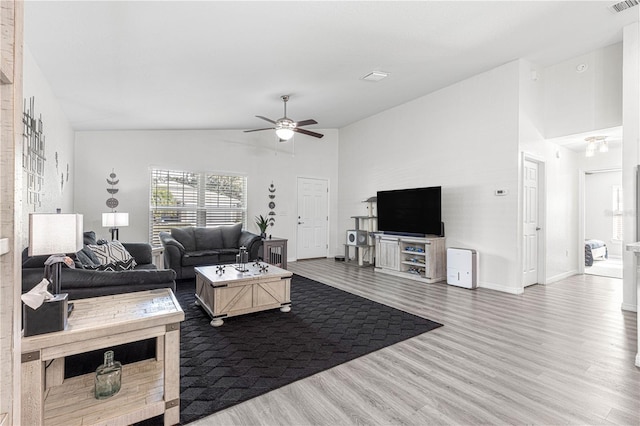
186 248
82 283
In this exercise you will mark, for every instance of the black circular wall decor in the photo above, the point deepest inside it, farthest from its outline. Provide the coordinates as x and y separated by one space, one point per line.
272 204
112 202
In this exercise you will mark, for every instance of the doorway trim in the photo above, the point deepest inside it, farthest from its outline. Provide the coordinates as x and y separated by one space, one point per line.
582 222
542 222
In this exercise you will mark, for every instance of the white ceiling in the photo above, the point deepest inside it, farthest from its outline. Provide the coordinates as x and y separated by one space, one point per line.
215 65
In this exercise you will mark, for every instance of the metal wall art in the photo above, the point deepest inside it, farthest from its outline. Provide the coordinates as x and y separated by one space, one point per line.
112 202
63 179
33 155
272 204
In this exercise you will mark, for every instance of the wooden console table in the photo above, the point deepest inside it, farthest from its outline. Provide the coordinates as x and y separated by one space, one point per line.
149 388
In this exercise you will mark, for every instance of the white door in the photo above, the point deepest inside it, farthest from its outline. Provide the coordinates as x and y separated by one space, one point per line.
313 211
531 226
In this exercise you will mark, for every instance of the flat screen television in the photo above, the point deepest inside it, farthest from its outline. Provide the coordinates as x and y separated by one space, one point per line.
416 211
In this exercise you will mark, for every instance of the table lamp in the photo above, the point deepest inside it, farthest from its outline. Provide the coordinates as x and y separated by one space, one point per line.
56 235
113 220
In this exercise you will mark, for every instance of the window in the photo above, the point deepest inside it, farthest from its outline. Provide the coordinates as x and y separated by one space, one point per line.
618 217
180 199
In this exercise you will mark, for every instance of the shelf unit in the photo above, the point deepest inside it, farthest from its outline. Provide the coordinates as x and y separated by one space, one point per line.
362 223
364 253
142 386
420 259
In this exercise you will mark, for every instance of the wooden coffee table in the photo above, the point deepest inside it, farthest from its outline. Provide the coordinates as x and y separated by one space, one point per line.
224 291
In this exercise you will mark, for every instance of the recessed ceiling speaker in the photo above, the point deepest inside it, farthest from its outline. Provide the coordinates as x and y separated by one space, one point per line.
356 237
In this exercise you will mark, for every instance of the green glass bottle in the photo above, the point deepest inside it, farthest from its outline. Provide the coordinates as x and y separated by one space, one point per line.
108 377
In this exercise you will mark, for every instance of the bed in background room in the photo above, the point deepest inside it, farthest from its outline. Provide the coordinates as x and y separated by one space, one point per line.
594 250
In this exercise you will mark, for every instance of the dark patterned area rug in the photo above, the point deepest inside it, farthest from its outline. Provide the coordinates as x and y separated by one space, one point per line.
256 353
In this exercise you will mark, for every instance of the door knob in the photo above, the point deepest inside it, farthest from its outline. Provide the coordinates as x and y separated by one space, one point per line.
538 228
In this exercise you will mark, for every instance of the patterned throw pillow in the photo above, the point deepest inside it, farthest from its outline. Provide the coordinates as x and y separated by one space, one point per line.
112 256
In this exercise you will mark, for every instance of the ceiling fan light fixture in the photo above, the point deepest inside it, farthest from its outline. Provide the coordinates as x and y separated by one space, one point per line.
596 143
284 133
284 128
604 146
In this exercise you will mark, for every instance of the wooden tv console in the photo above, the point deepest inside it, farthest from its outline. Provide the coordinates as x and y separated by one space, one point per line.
415 258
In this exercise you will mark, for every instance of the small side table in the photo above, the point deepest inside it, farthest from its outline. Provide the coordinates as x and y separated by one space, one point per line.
157 256
149 388
274 251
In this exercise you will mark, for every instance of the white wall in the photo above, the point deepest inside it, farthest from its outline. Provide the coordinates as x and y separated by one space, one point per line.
257 155
598 208
463 138
577 102
59 138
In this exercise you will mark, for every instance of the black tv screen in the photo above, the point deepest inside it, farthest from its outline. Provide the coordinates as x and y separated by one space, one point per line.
414 211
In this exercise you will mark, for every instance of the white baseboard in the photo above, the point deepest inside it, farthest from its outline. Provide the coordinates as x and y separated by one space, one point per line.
629 307
561 276
500 287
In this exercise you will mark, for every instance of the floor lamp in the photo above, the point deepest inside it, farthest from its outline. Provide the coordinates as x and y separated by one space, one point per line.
113 220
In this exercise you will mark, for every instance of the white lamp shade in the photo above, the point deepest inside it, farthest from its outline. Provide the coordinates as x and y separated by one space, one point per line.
113 220
52 233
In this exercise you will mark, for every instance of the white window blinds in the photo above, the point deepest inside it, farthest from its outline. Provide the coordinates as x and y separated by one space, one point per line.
180 199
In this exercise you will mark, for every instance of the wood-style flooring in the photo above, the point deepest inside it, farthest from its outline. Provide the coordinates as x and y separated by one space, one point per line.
558 354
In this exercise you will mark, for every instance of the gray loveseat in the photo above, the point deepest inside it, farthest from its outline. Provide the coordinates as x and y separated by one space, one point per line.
185 248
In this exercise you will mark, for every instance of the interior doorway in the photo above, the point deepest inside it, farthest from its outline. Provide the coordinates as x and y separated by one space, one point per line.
602 211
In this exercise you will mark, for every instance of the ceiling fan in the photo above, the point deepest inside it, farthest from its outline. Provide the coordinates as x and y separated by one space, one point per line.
285 127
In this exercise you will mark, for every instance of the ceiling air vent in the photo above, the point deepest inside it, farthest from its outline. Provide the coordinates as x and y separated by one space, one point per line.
375 76
622 6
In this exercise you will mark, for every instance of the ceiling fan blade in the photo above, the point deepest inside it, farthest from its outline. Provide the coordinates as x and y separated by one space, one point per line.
266 119
306 122
308 132
257 130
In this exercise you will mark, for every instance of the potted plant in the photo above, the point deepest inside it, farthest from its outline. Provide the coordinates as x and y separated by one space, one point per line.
262 223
